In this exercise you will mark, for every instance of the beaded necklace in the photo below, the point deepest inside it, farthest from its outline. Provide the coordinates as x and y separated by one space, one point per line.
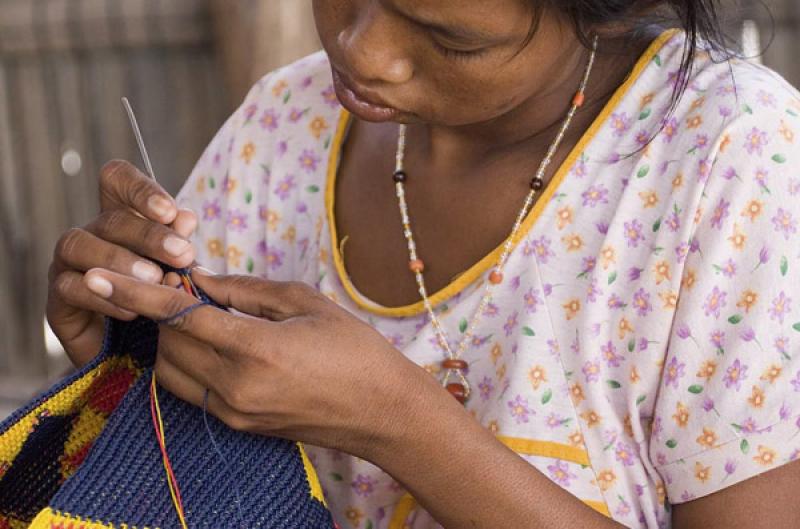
453 365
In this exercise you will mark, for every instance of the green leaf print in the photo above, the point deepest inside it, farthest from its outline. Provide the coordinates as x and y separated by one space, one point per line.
791 112
796 326
327 142
250 265
672 443
462 325
336 477
747 108
287 96
657 60
744 446
631 345
643 171
779 158
527 331
784 265
736 318
248 196
312 188
369 525
645 114
613 384
657 225
212 183
696 389
641 399
612 277
547 396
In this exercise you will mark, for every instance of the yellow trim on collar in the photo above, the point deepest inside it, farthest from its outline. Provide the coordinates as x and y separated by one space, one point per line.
478 269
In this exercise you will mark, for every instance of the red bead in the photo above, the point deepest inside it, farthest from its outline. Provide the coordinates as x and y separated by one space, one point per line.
455 363
579 99
495 277
416 265
458 391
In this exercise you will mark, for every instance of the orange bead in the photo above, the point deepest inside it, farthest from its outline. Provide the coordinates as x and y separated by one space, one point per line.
416 265
496 277
458 391
579 99
455 363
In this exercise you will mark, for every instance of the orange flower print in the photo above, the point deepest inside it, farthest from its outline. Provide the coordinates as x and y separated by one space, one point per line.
571 308
753 209
646 100
624 327
756 399
708 438
234 256
649 199
353 516
662 272
290 234
576 439
698 215
493 427
689 279
701 473
317 126
707 370
537 375
694 122
677 182
576 392
433 369
271 217
634 376
229 185
747 300
573 242
564 215
697 103
681 415
323 255
787 132
738 239
248 151
772 373
496 352
591 417
608 256
661 492
766 456
606 479
627 425
726 141
670 299
215 248
501 371
200 186
279 87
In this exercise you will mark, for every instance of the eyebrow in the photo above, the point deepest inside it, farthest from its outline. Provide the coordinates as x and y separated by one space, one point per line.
450 30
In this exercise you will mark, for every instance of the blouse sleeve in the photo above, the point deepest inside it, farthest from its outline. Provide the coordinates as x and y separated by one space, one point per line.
729 398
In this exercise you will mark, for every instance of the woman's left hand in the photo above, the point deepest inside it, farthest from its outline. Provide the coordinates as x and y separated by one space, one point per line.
287 362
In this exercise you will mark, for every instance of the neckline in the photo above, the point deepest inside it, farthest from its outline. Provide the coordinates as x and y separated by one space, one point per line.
480 267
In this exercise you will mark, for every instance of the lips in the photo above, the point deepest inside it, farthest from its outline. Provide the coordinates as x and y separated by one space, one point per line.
363 105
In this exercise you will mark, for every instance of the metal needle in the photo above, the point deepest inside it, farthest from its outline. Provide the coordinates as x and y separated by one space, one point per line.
138 134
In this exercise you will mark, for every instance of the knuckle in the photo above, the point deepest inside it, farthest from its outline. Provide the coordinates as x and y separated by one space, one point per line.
109 171
110 222
64 285
172 307
237 422
237 398
68 242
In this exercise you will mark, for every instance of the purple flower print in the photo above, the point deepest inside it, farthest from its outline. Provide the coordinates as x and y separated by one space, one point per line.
615 302
624 454
511 323
308 160
701 141
329 96
642 138
532 300
596 194
515 282
669 130
296 114
708 404
491 310
554 420
593 291
730 467
784 412
673 222
633 233
720 213
756 141
610 354
784 223
674 372
634 273
284 187
211 210
782 345
237 220
681 251
728 268
714 302
683 331
749 425
730 173
541 248
559 472
781 306
761 178
644 343
249 112
364 485
717 339
641 301
796 382
591 370
485 388
269 120
520 410
704 169
621 123
282 147
547 289
602 227
735 374
766 99
273 257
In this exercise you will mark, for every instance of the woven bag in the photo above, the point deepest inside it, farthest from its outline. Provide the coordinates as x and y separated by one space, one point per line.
84 455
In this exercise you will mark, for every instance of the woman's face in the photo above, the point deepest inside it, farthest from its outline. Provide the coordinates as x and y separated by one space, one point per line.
443 62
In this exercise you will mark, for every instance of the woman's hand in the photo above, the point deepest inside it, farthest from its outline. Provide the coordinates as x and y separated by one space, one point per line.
139 223
287 362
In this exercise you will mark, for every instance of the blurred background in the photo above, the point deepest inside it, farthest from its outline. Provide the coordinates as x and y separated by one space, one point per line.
184 64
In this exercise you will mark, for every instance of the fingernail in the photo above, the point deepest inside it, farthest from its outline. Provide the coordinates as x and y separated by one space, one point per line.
203 271
159 205
100 286
146 272
176 246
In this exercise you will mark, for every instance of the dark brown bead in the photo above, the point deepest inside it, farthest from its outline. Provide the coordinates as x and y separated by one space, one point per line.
400 176
458 391
537 184
455 363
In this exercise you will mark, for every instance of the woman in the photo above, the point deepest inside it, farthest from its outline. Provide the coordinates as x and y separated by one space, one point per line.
619 346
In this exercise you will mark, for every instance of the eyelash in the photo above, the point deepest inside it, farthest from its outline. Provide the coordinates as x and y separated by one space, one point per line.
452 54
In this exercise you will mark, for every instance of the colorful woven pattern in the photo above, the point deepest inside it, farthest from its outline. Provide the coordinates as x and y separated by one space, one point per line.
84 455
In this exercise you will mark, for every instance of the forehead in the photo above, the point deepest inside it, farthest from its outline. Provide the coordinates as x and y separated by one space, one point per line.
496 17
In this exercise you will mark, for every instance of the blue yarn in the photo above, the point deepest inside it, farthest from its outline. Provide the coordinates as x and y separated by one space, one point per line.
183 312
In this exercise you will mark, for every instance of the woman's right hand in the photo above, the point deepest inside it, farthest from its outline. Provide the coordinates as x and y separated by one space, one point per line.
139 224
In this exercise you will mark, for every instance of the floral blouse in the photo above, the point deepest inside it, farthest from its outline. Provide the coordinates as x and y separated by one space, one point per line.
644 349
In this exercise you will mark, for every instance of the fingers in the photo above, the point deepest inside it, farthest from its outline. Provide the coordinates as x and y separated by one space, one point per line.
70 288
210 325
196 359
185 223
275 300
122 184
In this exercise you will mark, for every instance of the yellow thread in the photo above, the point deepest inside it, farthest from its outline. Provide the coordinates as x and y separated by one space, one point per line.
311 476
489 260
533 447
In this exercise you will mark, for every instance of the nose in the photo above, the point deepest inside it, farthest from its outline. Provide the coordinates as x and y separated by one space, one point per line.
373 48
